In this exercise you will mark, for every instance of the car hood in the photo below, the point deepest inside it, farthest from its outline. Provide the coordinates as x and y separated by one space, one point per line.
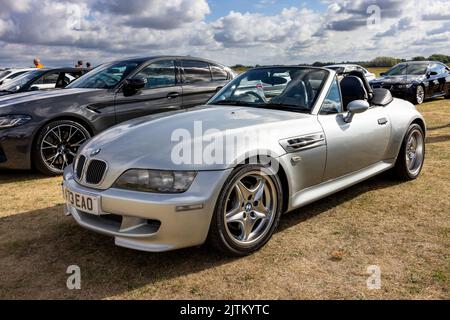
398 79
154 142
24 97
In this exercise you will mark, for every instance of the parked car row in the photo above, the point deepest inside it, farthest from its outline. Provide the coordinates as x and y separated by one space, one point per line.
45 129
110 132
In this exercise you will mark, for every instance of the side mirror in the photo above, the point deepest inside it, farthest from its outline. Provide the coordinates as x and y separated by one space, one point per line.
432 73
34 88
383 74
131 86
355 107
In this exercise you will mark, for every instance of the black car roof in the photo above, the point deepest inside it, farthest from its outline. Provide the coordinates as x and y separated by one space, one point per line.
175 57
68 69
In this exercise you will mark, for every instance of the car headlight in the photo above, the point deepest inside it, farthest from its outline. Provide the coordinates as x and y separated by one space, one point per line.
156 181
13 121
404 86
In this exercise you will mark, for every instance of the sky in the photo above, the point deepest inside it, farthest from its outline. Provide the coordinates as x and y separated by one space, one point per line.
231 32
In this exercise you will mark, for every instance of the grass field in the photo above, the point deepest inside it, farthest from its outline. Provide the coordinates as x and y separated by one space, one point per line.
321 251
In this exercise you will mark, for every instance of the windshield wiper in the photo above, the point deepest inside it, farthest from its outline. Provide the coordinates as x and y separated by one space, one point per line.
233 103
289 107
275 106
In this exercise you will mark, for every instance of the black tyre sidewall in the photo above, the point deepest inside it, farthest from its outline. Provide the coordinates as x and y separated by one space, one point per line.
36 152
222 240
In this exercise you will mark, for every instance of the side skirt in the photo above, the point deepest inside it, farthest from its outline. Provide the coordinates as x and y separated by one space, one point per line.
327 188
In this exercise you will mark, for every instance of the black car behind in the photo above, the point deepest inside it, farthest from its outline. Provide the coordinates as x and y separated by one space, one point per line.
416 81
46 128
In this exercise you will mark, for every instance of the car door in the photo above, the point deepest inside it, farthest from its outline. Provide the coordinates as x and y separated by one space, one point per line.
443 78
198 84
434 79
356 145
162 92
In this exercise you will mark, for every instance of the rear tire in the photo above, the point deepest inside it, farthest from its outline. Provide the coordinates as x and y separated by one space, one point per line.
412 154
247 211
57 144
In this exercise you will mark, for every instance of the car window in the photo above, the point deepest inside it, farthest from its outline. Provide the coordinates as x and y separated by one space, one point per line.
284 88
218 73
159 74
196 71
15 75
49 78
439 68
106 76
333 101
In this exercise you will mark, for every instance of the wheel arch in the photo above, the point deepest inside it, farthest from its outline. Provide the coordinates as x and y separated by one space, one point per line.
421 123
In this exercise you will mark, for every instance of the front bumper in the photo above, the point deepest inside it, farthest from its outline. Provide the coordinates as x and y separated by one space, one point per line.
152 222
15 147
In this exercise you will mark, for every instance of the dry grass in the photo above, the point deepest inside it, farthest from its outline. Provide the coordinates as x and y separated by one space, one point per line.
319 252
377 71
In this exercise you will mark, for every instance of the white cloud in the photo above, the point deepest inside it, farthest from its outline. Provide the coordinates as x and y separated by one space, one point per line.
110 29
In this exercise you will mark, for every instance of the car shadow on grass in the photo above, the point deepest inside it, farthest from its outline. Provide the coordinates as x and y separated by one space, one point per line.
382 181
9 176
37 247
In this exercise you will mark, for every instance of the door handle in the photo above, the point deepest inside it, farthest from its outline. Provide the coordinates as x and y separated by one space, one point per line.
173 95
382 121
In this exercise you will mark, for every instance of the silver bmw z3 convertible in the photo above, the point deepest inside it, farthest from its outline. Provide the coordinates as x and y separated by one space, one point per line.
271 141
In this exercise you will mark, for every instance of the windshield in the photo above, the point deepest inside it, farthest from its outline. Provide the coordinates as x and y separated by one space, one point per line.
416 69
106 76
284 88
20 81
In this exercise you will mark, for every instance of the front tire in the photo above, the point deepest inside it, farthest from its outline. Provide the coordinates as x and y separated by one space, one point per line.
412 154
247 211
57 145
419 95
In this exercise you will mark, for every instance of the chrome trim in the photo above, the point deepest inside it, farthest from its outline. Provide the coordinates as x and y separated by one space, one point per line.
301 143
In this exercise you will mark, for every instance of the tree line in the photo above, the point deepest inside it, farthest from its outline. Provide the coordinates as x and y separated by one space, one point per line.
378 62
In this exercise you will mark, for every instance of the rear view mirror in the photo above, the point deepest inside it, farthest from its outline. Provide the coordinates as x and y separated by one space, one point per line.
355 107
34 88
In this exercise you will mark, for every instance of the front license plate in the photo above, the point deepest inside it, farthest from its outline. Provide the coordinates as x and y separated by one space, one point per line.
82 202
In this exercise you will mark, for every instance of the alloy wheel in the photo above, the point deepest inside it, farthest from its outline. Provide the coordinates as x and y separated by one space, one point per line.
60 145
420 95
251 208
414 152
